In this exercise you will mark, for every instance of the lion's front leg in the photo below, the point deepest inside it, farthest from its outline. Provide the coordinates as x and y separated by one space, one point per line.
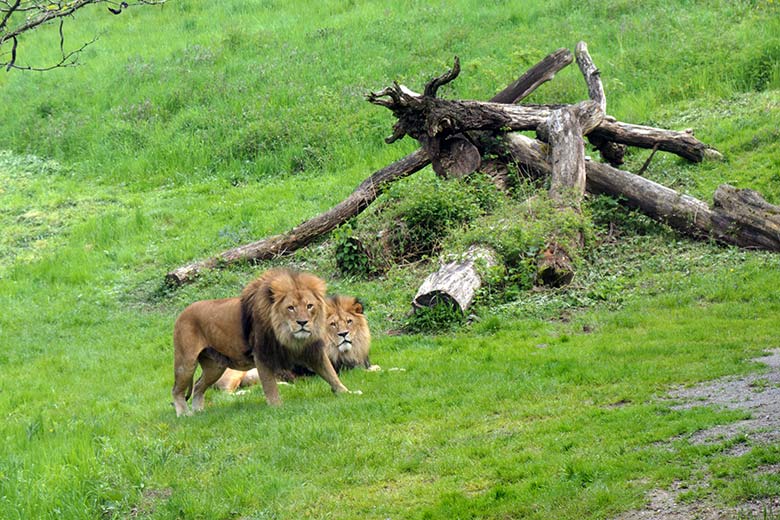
268 380
324 369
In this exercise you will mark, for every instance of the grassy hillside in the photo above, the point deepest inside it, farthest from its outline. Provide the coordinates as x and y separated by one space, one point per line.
199 126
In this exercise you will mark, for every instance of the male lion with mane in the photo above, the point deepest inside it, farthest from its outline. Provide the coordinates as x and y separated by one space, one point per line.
278 322
347 342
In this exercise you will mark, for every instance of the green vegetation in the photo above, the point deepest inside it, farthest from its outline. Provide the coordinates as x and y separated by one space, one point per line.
231 121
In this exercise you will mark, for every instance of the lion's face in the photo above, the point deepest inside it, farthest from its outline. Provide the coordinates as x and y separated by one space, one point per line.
298 309
301 310
347 326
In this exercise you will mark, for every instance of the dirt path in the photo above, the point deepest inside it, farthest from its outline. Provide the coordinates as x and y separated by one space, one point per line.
757 393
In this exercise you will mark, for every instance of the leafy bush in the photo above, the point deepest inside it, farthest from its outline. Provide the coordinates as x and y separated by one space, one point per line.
411 222
439 318
351 257
519 232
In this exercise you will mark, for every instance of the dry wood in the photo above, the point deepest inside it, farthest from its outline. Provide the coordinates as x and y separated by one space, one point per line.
457 158
364 194
313 228
543 71
592 75
565 128
613 153
744 218
430 120
683 144
737 217
456 283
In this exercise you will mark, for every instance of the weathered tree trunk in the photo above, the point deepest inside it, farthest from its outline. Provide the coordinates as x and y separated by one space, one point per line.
680 143
540 73
565 129
364 194
456 283
737 217
744 218
611 152
430 120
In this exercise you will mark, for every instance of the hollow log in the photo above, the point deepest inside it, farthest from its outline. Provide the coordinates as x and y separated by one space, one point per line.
456 283
738 217
365 193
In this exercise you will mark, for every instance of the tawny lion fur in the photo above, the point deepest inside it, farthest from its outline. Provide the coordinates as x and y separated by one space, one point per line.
347 342
278 322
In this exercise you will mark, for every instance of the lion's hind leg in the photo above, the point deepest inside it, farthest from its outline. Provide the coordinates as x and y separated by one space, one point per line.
182 384
212 371
187 345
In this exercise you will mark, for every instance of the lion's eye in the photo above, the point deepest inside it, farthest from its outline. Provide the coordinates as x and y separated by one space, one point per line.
291 308
333 324
349 322
310 306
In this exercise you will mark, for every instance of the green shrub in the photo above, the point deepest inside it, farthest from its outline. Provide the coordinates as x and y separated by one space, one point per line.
519 232
411 222
442 317
351 257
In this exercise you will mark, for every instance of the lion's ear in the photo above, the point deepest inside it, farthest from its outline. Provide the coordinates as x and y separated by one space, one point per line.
358 307
269 293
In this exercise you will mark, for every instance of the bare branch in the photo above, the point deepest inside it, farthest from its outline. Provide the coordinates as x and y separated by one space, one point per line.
433 86
11 10
22 16
68 60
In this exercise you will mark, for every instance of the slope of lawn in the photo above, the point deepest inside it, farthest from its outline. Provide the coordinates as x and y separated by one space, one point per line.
199 126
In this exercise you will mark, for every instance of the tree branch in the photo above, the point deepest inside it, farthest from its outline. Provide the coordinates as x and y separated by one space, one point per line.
35 14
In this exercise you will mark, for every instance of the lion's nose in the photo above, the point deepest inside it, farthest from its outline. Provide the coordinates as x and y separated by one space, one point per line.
343 334
301 322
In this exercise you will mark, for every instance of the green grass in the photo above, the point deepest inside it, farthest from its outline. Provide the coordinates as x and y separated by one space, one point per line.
232 121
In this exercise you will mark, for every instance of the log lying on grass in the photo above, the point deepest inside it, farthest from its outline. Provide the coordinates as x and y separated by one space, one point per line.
365 193
737 217
456 283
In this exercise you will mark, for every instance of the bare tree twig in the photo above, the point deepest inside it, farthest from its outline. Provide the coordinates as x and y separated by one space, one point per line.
22 16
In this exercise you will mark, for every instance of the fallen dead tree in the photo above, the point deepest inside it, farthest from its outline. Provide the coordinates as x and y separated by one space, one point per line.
456 135
314 228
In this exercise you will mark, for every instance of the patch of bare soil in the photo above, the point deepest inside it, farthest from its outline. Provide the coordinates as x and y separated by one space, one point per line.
759 394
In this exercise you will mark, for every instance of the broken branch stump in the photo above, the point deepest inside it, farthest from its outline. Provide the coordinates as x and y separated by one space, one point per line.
612 152
565 129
